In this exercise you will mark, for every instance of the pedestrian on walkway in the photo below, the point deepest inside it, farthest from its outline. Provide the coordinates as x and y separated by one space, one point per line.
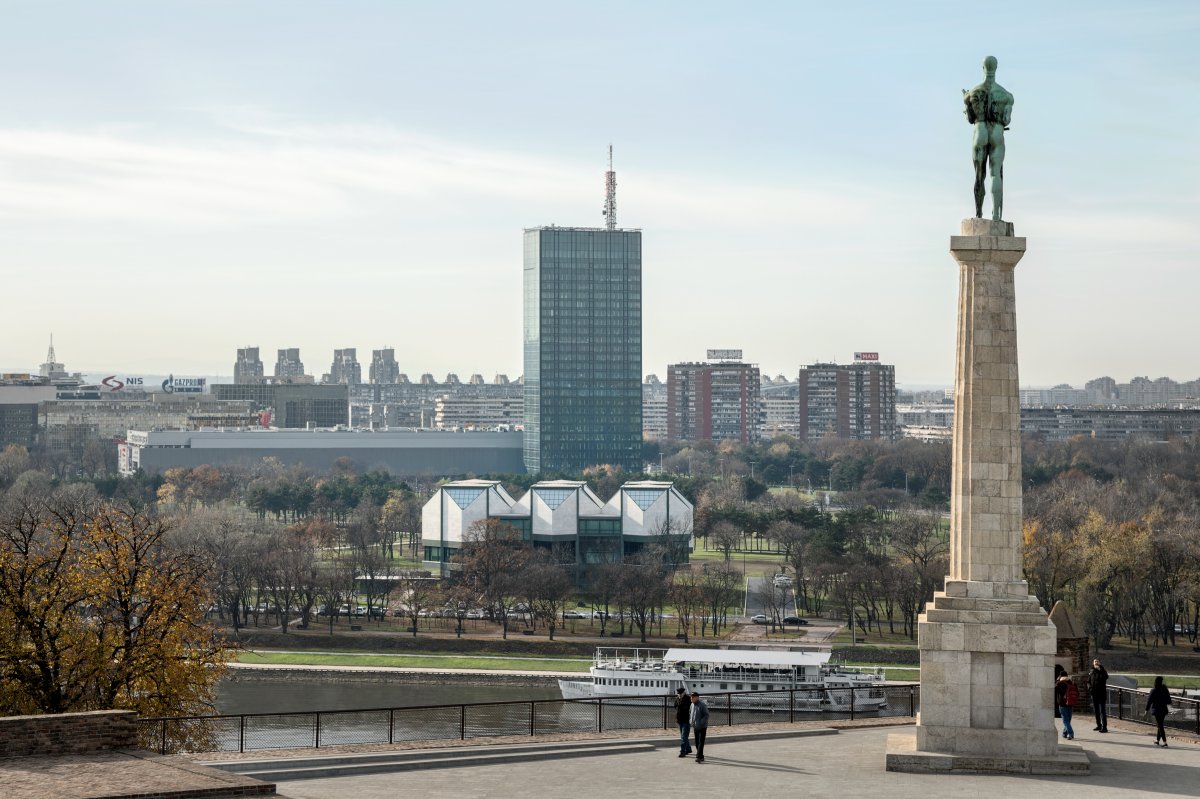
1157 703
683 717
1098 690
1058 672
699 722
1065 696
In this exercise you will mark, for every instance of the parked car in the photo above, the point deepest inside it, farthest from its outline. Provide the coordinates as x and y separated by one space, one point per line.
796 620
782 580
573 614
759 619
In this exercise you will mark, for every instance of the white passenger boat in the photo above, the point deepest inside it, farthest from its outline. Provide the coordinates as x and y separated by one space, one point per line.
765 675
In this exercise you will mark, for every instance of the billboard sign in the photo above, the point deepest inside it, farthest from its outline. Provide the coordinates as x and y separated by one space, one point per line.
184 385
724 355
866 356
114 383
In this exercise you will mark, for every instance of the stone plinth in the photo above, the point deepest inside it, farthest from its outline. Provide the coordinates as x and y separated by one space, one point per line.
987 646
987 672
902 755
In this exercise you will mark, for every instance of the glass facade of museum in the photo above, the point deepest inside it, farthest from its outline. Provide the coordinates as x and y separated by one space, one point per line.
583 348
563 516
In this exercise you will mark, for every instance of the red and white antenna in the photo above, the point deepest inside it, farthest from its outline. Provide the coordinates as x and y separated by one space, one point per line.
610 194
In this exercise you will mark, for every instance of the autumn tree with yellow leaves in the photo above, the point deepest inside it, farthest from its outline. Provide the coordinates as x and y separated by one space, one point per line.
100 608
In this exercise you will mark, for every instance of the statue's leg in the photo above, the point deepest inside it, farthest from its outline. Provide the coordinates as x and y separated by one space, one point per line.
997 166
979 155
980 171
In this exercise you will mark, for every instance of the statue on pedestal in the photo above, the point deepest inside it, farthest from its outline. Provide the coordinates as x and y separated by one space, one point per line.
989 110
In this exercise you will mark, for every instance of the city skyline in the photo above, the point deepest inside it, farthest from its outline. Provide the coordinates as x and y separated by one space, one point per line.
179 176
441 373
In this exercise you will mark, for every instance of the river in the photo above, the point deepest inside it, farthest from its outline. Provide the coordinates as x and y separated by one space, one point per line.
287 695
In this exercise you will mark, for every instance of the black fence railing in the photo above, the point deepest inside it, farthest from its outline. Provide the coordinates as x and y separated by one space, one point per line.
253 731
1129 704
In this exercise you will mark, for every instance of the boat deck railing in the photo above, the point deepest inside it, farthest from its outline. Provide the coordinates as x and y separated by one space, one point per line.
246 732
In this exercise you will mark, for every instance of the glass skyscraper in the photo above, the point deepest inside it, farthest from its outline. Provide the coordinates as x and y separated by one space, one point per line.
583 348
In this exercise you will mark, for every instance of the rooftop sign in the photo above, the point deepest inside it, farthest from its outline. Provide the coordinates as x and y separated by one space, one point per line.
724 355
866 356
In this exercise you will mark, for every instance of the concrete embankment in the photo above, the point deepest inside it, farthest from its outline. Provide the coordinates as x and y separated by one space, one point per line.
244 672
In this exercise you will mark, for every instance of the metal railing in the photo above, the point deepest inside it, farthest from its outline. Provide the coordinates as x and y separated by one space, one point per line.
312 730
1129 704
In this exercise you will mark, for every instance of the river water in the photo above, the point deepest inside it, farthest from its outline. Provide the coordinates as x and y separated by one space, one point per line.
286 695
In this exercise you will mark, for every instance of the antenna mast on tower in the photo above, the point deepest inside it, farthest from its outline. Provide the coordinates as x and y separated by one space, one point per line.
610 194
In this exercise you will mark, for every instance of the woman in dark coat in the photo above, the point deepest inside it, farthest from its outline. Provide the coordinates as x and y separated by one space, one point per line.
1157 703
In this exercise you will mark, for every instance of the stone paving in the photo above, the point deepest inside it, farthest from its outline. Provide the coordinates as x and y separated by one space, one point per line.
119 774
1125 763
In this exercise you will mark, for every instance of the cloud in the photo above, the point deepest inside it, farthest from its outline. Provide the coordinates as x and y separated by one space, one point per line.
267 171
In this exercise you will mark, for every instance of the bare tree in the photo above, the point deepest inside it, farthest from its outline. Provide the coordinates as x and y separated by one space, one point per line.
643 589
420 595
720 587
547 588
726 537
685 595
492 558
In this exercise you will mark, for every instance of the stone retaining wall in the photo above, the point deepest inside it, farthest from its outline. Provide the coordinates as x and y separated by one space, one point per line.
67 733
267 673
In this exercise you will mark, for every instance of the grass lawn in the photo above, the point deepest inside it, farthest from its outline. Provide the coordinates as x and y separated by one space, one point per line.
898 639
1174 682
756 562
446 662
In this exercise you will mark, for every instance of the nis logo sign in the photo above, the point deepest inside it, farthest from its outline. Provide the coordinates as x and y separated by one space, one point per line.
113 383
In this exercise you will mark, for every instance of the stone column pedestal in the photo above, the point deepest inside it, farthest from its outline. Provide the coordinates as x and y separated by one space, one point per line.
987 646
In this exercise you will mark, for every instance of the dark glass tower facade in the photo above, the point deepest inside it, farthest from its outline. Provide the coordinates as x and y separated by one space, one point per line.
583 348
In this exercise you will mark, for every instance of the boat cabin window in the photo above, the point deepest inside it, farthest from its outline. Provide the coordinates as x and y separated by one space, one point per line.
724 686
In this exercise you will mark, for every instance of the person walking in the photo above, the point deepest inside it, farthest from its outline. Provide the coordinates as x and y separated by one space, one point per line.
1058 672
683 717
1157 703
1065 696
1098 690
699 722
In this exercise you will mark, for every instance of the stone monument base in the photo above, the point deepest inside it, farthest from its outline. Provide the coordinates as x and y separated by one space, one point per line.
902 755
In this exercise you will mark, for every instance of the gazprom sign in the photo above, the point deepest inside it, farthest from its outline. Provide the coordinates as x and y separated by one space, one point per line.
184 385
724 355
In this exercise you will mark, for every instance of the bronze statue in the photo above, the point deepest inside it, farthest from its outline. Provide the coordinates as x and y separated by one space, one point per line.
989 109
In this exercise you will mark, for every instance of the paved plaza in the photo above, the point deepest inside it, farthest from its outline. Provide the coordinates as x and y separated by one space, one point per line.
849 764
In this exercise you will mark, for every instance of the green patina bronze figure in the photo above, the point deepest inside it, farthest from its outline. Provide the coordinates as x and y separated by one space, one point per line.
989 109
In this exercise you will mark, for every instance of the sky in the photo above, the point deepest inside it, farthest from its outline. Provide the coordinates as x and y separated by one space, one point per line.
180 179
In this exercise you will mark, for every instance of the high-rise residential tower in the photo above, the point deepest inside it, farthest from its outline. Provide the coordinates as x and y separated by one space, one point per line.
714 401
249 366
583 348
384 369
345 367
856 400
288 363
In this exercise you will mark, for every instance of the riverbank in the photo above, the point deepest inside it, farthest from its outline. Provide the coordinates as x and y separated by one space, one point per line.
425 661
242 672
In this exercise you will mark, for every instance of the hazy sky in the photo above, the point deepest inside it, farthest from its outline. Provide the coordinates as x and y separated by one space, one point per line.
178 179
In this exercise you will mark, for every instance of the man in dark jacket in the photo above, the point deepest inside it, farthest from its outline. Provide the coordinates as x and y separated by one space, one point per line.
683 714
1098 689
699 721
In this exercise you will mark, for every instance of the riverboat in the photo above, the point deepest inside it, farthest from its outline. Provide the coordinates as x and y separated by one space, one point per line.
758 678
